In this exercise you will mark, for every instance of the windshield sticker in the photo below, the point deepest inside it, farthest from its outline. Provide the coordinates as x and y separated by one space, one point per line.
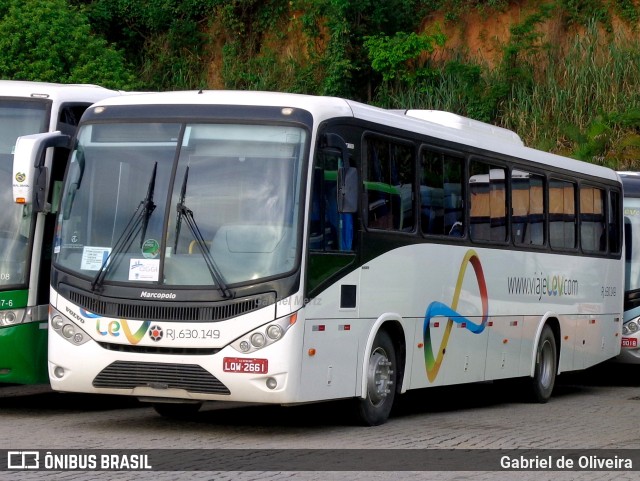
150 249
94 257
144 269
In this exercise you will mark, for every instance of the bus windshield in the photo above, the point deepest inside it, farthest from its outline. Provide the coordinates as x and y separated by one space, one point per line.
181 204
16 118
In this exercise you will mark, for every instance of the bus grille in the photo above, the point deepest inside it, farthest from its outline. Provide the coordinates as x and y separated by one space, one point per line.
153 311
175 351
129 375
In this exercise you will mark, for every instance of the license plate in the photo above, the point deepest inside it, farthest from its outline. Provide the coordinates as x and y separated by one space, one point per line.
252 366
629 342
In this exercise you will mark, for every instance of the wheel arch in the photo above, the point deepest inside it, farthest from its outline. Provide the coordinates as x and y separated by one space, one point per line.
551 320
394 325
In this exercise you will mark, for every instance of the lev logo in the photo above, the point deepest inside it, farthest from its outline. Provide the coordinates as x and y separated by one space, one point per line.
438 309
106 327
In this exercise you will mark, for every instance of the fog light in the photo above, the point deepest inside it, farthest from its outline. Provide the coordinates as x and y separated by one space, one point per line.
244 346
77 338
58 372
68 331
272 383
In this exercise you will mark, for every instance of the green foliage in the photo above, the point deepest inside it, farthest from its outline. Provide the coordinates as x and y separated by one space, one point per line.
524 45
628 10
454 9
582 102
582 12
610 139
347 70
165 39
398 57
586 104
49 40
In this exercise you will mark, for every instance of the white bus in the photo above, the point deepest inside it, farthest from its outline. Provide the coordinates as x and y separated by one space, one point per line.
630 352
26 229
279 248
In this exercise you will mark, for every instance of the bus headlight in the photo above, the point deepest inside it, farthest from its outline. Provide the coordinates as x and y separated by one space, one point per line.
630 327
66 329
257 339
274 331
11 317
264 335
57 322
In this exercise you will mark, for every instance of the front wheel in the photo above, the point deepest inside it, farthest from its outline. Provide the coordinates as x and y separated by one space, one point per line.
544 377
375 408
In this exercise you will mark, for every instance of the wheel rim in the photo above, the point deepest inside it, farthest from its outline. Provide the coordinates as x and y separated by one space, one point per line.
546 364
379 376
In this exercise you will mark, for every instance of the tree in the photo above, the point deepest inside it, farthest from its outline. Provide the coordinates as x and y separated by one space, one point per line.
52 41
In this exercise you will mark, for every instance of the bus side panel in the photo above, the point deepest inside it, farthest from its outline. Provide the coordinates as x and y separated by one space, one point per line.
465 356
332 342
329 358
596 343
23 360
504 347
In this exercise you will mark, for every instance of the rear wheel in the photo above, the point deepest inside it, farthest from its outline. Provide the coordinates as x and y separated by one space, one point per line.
177 410
375 408
544 377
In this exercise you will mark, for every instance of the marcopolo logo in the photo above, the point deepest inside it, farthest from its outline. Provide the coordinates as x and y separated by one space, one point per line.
158 295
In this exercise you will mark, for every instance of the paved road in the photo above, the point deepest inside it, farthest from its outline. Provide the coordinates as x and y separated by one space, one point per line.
595 410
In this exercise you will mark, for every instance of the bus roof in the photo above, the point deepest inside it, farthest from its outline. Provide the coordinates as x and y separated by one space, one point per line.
58 93
445 126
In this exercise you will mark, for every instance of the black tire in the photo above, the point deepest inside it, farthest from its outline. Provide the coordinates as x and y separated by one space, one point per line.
177 410
544 377
382 368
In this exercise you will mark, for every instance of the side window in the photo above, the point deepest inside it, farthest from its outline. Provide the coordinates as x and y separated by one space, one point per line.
614 230
527 208
441 194
592 219
389 184
329 230
487 202
562 214
69 117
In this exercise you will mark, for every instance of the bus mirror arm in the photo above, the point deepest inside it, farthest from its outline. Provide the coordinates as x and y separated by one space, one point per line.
347 190
40 203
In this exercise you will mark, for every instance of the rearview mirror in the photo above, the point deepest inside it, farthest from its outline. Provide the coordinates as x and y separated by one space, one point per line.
30 176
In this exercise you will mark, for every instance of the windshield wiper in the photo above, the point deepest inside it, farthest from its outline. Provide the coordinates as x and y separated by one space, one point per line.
187 214
137 224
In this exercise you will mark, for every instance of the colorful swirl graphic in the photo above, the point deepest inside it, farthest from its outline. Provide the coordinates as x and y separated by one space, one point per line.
438 309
